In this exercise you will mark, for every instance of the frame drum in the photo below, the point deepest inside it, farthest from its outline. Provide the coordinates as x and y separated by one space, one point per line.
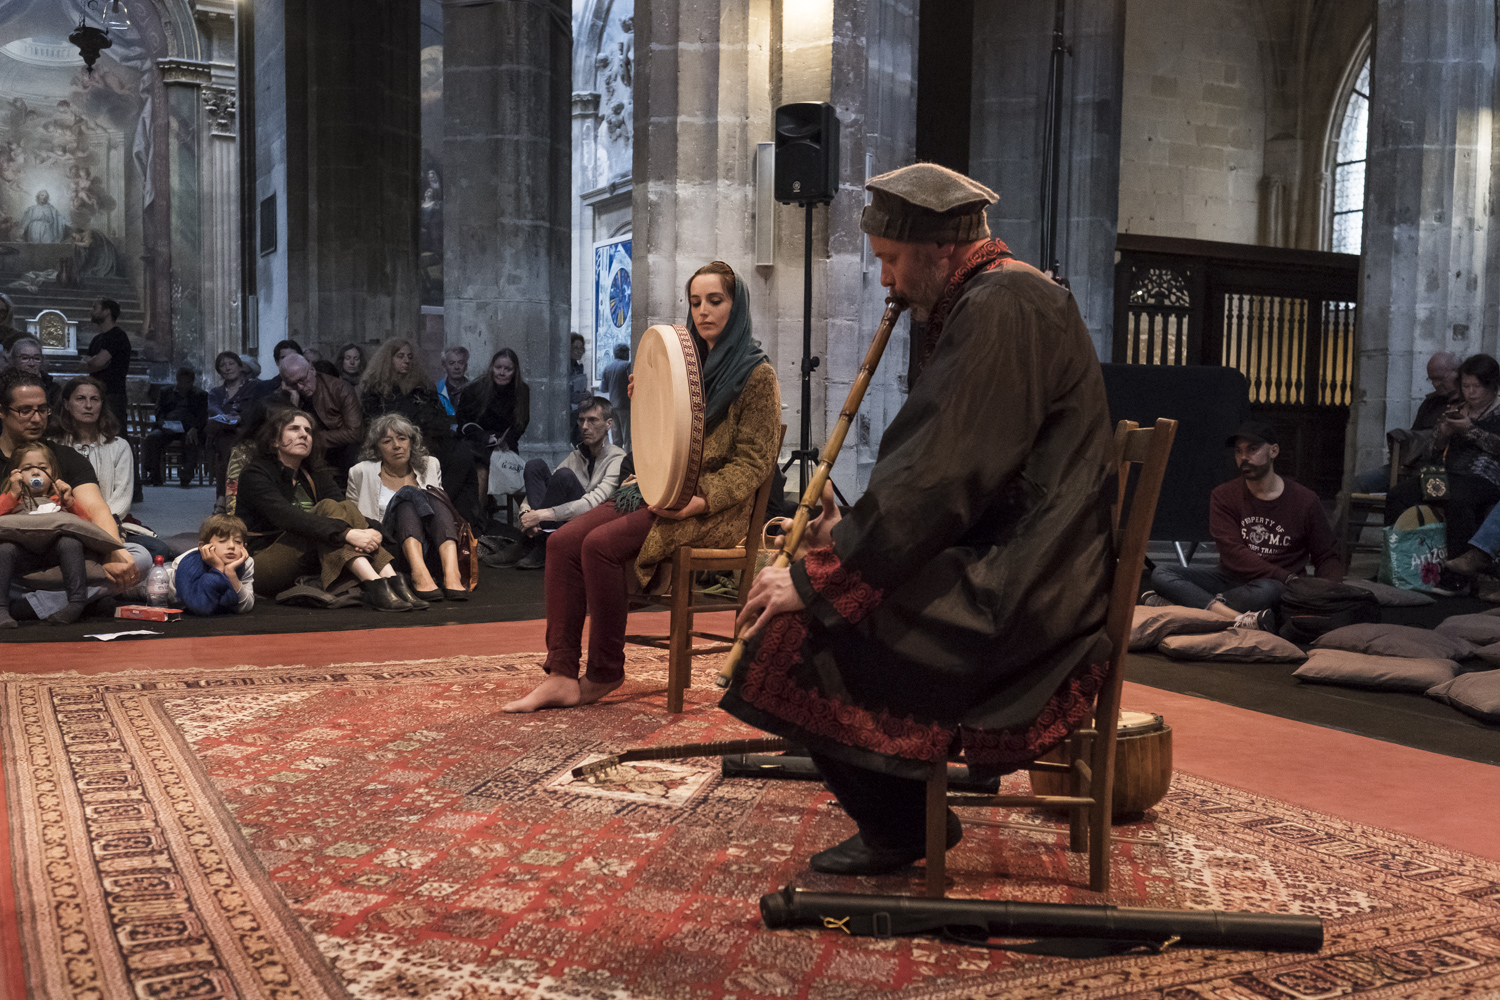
1143 765
666 417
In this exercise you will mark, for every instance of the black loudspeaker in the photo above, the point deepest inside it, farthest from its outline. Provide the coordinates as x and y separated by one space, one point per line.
807 153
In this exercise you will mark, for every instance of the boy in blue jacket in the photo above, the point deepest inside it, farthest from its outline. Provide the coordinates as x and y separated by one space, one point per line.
218 577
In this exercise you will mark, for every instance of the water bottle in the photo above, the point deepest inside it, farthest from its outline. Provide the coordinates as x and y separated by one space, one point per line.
159 584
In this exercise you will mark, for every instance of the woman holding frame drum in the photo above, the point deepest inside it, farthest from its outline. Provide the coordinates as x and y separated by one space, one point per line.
589 558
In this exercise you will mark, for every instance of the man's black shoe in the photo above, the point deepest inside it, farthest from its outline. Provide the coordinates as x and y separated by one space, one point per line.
535 557
855 857
507 555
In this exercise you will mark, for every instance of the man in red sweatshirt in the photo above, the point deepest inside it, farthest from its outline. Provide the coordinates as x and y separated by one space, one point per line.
1267 528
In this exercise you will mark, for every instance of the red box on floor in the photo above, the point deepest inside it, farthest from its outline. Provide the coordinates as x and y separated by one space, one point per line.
146 613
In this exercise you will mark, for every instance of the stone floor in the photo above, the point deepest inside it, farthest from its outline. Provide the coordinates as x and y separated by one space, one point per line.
171 511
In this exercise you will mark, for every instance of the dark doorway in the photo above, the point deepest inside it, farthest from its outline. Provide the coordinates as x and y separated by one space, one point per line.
945 60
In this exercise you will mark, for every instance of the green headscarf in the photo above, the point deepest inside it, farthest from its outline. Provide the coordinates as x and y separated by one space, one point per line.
727 367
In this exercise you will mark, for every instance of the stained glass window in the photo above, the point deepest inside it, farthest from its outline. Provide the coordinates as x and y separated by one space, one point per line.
1349 168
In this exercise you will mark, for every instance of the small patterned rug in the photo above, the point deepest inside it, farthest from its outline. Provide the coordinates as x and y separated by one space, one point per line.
382 831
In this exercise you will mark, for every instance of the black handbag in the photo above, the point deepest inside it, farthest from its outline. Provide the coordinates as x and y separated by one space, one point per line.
1433 479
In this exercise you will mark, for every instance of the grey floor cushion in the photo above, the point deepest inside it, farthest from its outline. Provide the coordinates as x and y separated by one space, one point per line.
1152 625
1387 673
1235 645
1396 640
1393 597
1481 629
1478 694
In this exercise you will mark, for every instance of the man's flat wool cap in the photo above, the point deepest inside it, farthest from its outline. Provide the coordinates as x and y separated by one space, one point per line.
926 202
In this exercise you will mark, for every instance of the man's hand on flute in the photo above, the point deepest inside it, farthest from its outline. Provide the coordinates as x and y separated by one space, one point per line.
772 592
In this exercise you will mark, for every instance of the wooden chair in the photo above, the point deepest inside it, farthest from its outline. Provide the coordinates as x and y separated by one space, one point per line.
684 602
1090 751
1358 511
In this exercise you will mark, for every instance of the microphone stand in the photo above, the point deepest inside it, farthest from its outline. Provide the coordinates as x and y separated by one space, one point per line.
1052 149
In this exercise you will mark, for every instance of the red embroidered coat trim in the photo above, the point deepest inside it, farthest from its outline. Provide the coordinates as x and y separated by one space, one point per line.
846 590
770 686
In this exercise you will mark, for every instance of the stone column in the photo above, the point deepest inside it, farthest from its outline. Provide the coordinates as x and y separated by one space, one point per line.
1430 261
337 118
221 228
507 70
700 110
183 79
874 69
585 110
1012 48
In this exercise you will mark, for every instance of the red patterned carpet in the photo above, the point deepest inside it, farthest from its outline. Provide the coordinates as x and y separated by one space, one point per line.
379 830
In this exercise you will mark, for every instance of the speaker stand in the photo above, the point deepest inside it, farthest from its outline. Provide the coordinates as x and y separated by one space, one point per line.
806 454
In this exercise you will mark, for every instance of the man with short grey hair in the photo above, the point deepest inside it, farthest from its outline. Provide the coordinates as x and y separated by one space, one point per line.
1442 372
26 354
455 376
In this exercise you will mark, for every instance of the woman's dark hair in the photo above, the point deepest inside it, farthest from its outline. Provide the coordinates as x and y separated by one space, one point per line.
723 270
228 354
484 388
109 424
325 367
339 360
277 419
1484 368
285 345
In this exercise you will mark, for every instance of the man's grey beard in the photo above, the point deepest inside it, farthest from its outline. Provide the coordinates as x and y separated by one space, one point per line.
924 296
1250 470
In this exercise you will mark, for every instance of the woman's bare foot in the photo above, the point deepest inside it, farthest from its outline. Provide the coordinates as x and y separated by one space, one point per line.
591 691
554 692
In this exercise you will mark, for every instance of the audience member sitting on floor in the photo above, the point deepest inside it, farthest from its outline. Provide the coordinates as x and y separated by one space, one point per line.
181 416
300 523
90 428
593 555
351 364
1416 443
493 412
217 577
585 479
23 420
224 401
1266 528
1468 438
393 488
455 376
394 382
27 355
32 487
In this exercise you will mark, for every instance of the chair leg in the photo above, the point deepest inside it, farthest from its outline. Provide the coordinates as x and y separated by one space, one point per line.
680 643
1100 815
1078 830
937 831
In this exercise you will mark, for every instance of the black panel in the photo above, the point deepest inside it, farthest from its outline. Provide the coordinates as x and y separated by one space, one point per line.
1208 403
945 70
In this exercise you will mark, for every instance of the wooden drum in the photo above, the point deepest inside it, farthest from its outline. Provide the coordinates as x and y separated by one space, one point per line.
1143 765
666 416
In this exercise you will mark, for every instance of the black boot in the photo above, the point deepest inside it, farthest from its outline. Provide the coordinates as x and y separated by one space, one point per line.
403 589
379 595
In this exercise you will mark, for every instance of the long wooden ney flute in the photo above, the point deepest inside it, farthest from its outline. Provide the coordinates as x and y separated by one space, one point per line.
812 496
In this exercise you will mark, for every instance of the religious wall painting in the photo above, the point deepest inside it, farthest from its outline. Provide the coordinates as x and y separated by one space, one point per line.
612 295
72 148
